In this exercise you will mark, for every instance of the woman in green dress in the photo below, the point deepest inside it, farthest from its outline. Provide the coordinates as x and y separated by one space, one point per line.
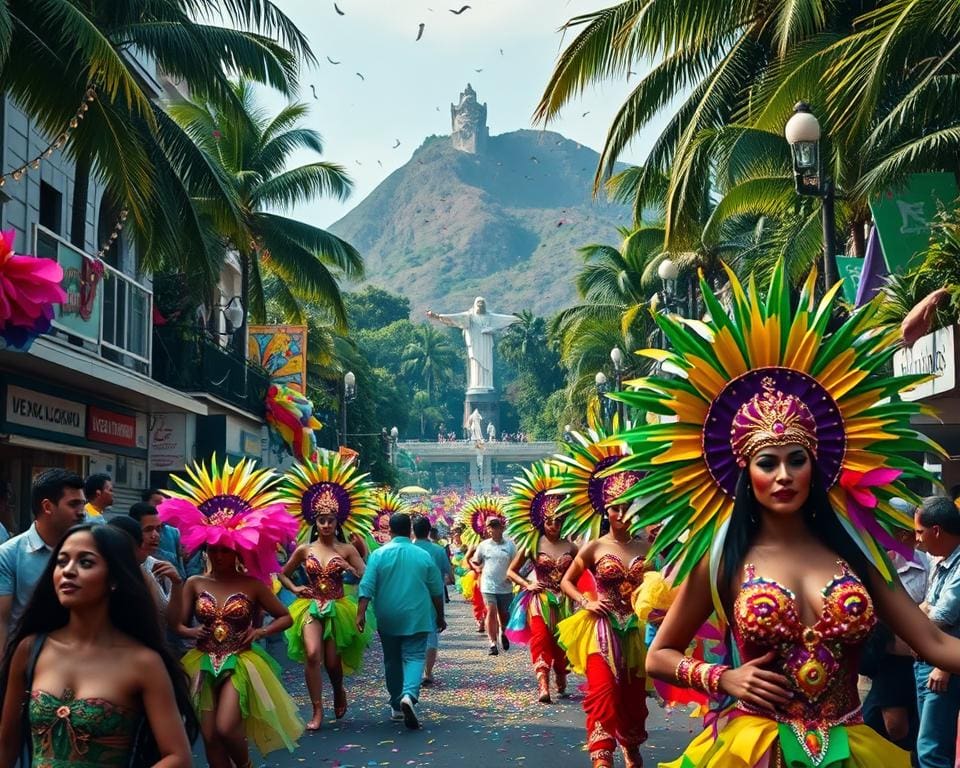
104 691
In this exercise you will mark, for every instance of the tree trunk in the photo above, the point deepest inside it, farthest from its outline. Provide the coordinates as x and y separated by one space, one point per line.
859 239
81 196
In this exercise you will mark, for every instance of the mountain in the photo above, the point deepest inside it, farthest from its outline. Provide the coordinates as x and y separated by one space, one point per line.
504 223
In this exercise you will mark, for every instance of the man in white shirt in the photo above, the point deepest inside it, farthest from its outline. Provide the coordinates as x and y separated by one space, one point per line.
491 561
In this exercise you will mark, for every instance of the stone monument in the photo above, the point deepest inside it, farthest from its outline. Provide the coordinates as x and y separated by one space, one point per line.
468 123
478 327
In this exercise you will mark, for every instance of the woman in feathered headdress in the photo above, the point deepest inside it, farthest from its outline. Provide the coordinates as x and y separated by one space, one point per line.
472 522
234 514
773 474
385 504
533 523
604 639
330 499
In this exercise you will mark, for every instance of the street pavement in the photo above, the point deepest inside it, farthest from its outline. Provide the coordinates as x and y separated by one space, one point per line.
481 712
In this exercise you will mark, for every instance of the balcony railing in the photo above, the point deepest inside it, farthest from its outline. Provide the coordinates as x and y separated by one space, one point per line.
109 314
191 361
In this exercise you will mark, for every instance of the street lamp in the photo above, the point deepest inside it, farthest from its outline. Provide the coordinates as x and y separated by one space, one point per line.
616 357
349 395
668 273
394 437
603 386
802 132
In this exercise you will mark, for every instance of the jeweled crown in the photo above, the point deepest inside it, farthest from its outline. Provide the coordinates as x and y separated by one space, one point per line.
618 484
325 502
771 418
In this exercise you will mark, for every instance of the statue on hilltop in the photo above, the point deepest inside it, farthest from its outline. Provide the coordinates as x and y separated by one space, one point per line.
468 123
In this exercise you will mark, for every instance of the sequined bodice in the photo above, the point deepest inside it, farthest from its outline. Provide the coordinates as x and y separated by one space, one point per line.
819 660
81 733
617 582
228 624
326 581
550 571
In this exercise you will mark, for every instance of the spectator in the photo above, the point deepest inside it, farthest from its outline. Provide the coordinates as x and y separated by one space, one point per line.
56 498
491 561
169 548
421 538
98 489
6 510
937 526
165 575
407 595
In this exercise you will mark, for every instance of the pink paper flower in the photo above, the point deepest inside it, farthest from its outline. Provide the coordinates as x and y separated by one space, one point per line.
29 288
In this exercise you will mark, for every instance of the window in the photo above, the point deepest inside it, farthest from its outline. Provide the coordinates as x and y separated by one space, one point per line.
51 208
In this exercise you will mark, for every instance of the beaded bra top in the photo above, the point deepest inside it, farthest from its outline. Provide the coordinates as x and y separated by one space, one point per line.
820 661
617 582
81 733
550 571
227 623
326 581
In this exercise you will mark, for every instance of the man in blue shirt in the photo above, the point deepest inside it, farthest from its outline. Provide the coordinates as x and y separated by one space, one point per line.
169 548
57 500
421 538
407 593
937 526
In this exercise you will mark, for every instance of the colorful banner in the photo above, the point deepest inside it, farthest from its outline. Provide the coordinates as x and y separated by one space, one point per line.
850 269
903 216
282 351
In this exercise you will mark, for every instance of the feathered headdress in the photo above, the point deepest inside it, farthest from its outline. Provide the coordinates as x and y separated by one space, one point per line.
332 486
474 515
582 479
29 289
385 504
768 374
231 506
530 504
290 416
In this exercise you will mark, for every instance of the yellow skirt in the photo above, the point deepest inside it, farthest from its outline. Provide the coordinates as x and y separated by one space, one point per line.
621 645
746 741
468 584
270 717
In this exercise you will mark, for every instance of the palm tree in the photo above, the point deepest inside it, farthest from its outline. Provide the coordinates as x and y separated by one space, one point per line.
430 358
250 149
51 52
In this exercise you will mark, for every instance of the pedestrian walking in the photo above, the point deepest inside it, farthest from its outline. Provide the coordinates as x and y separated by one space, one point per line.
421 538
492 560
56 498
407 594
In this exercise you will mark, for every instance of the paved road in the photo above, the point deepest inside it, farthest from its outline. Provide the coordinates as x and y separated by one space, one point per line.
482 712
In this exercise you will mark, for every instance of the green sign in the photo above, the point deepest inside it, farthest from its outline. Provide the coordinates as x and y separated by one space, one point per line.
80 313
903 216
850 268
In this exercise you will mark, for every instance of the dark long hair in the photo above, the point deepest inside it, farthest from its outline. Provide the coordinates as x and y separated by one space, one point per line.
819 517
131 609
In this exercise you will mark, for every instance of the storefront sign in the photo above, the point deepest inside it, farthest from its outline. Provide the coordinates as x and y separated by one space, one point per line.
934 354
168 442
111 427
39 411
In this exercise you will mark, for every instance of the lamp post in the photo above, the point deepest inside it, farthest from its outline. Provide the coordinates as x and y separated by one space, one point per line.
616 357
394 438
802 132
603 386
349 395
668 272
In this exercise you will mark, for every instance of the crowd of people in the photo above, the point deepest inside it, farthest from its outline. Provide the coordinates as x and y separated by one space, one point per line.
753 554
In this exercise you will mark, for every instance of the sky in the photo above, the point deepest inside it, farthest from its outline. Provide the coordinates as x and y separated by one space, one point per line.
408 86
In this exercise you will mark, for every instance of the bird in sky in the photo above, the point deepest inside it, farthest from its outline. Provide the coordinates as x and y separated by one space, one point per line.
397 144
337 9
478 70
379 163
360 76
332 61
533 158
358 162
314 90
501 51
420 31
585 113
457 13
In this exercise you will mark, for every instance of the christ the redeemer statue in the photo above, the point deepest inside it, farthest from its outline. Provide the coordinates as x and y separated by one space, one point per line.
478 327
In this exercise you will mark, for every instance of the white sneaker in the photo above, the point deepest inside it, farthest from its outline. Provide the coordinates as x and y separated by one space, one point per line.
396 714
410 718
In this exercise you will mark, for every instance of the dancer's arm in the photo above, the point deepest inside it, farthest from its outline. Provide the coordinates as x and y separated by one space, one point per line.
354 560
294 562
183 627
513 573
269 602
690 610
568 584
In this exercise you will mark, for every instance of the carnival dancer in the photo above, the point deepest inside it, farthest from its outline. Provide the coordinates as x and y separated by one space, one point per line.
774 472
604 640
386 503
534 526
330 499
473 517
235 513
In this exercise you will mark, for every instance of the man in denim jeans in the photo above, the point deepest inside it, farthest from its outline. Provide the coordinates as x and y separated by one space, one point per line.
937 525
